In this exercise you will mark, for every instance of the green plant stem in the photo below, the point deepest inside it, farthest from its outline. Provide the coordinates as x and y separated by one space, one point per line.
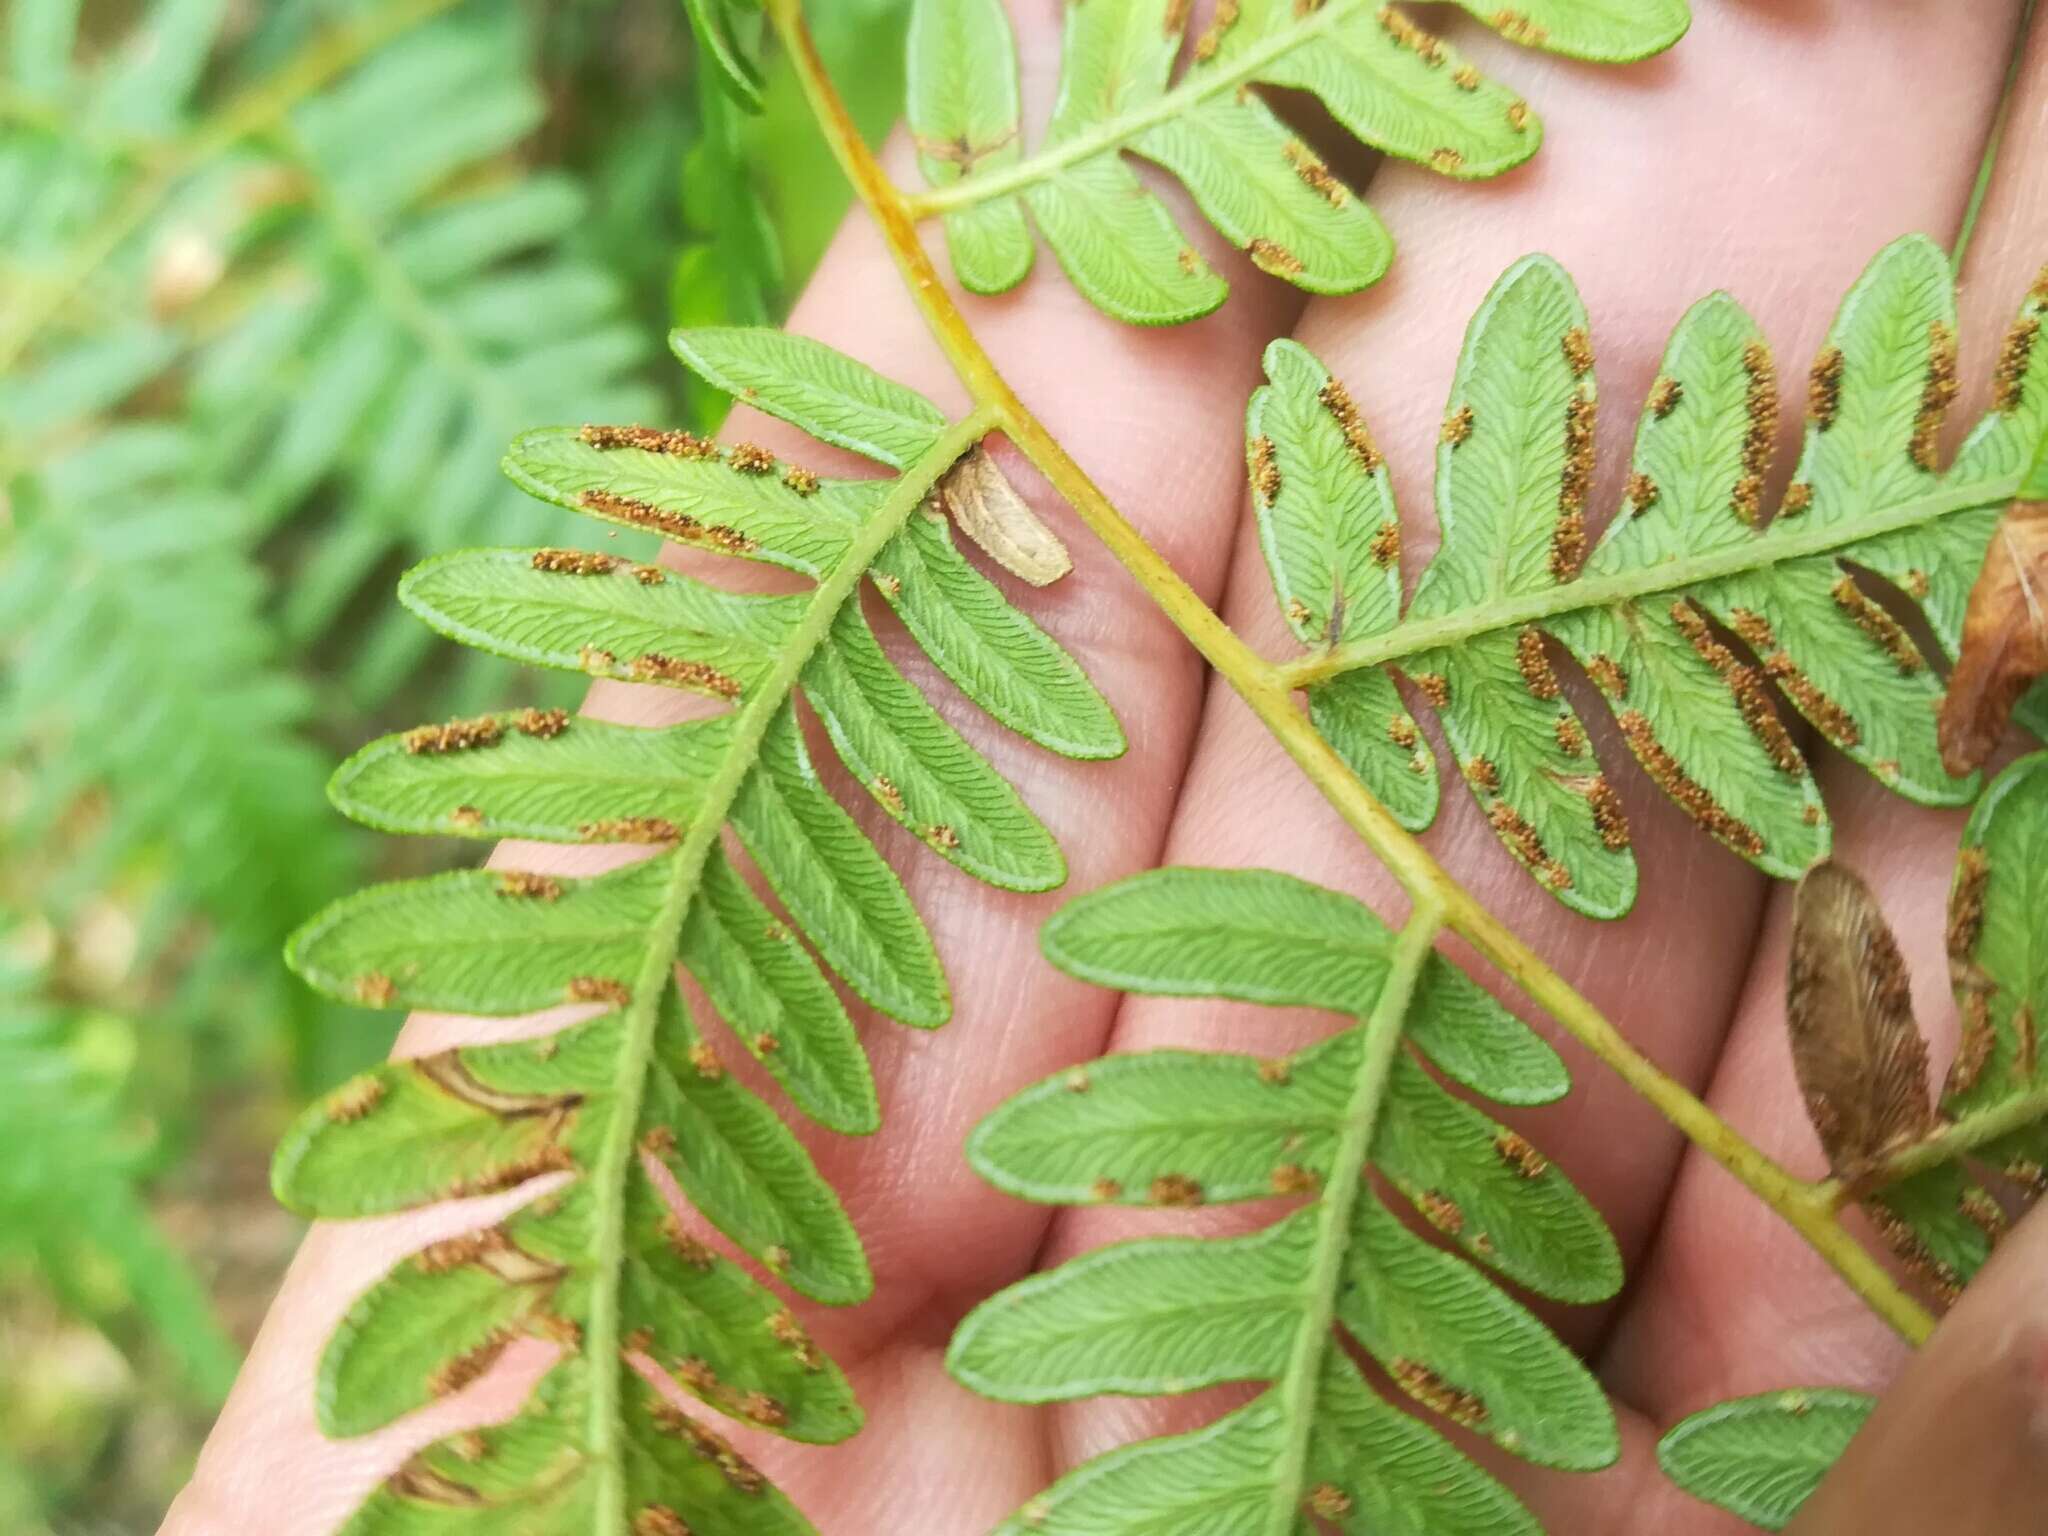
603 1337
1670 576
1267 689
1993 141
1952 1141
1341 1191
254 110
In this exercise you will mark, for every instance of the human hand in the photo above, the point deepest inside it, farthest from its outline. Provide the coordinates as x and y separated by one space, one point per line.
1771 153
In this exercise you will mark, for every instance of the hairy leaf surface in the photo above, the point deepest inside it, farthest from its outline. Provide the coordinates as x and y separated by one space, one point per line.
1704 627
594 1123
1172 1128
1392 84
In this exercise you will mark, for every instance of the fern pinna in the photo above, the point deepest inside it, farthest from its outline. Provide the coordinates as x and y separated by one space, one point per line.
1971 1157
634 1098
1690 550
1170 1315
1388 81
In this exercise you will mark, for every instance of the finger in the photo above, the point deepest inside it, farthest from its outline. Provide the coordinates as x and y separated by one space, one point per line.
1121 400
1733 1301
1730 161
1960 1443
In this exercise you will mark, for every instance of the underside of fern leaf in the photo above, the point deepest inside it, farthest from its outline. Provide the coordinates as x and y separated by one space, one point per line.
634 1099
1987 1133
1171 1315
1687 578
1762 1457
1945 1221
1393 85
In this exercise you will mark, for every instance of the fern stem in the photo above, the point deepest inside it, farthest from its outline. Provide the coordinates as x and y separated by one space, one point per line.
255 109
656 974
1341 1192
1951 1142
1994 139
1670 576
1268 690
1197 86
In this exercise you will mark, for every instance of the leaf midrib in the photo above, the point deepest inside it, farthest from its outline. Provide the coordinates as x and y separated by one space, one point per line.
1196 86
1765 552
1342 1189
636 1054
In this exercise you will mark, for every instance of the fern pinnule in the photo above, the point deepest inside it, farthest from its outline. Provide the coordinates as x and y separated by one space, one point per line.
1696 620
1762 1457
1170 1128
593 1122
1388 81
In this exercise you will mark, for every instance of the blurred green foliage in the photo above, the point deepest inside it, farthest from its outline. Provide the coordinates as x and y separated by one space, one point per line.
278 281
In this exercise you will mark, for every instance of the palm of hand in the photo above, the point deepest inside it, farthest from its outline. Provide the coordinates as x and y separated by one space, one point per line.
1748 158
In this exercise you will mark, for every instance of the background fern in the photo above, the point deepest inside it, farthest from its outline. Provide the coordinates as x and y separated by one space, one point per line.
191 288
1870 522
1171 1315
1388 81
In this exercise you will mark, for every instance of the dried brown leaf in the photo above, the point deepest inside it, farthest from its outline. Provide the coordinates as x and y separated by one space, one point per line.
2005 638
1861 1061
989 511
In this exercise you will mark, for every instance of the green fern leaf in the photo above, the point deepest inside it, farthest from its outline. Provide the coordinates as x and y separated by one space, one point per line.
1171 1315
717 24
991 651
72 1197
594 1121
550 791
431 325
1183 934
811 386
140 662
1762 1457
1386 80
1996 966
1689 552
842 894
507 602
1605 31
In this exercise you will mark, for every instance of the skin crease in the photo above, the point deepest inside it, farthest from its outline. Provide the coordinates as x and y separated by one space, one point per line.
1731 162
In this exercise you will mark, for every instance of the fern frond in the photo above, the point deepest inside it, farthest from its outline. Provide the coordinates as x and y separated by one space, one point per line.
634 1097
70 1191
437 307
1170 1315
1762 1457
1386 80
370 300
1690 551
183 714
